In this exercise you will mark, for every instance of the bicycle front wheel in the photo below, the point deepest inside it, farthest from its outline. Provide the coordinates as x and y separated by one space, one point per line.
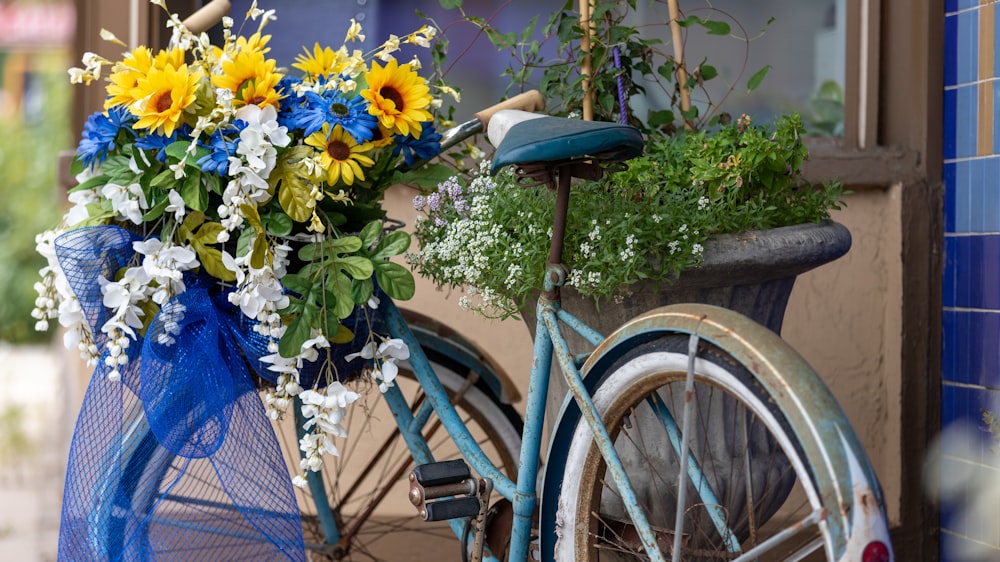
745 491
364 490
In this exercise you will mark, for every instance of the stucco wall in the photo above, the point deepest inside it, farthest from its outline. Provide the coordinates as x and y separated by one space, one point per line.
844 318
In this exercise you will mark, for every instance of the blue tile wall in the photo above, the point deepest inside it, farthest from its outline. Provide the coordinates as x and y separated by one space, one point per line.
966 108
970 347
967 47
951 50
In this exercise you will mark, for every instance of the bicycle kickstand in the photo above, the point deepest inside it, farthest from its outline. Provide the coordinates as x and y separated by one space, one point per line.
457 495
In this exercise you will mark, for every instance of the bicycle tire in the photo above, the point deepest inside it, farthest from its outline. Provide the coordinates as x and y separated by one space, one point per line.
589 524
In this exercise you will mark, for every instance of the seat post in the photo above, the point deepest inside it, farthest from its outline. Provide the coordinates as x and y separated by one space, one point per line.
555 272
562 184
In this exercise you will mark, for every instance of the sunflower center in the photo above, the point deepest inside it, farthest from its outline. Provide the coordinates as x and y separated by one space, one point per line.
338 150
164 102
339 109
393 95
256 100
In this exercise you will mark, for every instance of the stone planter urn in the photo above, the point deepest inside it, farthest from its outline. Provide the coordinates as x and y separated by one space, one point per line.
751 272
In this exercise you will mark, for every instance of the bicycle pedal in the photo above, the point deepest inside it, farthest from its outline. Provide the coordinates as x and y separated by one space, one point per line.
455 508
441 473
450 480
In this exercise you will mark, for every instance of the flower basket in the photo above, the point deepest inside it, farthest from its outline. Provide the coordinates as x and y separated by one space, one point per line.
225 244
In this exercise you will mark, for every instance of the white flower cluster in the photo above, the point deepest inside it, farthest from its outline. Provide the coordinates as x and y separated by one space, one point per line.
56 300
255 160
323 410
468 240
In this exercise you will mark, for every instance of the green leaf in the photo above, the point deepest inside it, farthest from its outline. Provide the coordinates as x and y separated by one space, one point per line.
259 253
177 150
191 222
164 179
689 21
707 72
252 216
395 280
356 266
243 242
427 176
370 233
296 334
361 290
157 210
450 4
278 224
340 332
209 233
96 181
297 283
716 27
194 196
392 244
338 296
757 78
336 246
659 118
211 260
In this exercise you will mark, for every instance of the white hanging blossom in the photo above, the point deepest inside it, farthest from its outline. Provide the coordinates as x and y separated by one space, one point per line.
128 201
254 161
165 264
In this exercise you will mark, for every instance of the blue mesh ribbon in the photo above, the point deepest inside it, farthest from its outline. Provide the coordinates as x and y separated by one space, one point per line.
178 460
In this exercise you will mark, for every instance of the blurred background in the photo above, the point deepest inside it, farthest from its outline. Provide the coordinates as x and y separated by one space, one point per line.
35 50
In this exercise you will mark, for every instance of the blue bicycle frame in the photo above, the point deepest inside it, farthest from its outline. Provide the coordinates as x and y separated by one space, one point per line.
523 495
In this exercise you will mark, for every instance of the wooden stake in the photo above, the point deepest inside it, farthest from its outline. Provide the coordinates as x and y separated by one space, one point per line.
675 33
586 68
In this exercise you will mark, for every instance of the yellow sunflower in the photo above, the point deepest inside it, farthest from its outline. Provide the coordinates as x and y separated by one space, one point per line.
321 61
169 57
342 157
248 74
383 136
398 96
125 76
260 91
163 95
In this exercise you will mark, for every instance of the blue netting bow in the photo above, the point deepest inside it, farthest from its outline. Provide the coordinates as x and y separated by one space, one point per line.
178 460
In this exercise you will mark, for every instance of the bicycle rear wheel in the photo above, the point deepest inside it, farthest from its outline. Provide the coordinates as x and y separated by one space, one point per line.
365 488
754 488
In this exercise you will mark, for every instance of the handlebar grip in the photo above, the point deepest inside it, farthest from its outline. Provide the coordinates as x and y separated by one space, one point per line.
207 16
531 100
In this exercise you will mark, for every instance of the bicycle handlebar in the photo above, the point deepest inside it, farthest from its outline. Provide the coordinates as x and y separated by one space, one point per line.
207 16
530 101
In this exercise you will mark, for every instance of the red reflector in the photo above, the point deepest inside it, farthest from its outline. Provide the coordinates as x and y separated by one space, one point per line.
875 552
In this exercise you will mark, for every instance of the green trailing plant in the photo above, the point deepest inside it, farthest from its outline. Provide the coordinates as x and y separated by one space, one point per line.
648 222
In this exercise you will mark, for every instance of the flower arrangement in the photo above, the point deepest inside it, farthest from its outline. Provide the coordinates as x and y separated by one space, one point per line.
702 173
215 168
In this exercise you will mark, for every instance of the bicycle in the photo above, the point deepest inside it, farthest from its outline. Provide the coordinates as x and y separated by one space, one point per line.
638 377
785 479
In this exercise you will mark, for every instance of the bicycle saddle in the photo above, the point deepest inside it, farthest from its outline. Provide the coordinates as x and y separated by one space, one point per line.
528 138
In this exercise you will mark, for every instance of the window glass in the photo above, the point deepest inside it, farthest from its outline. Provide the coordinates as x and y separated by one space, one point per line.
804 45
